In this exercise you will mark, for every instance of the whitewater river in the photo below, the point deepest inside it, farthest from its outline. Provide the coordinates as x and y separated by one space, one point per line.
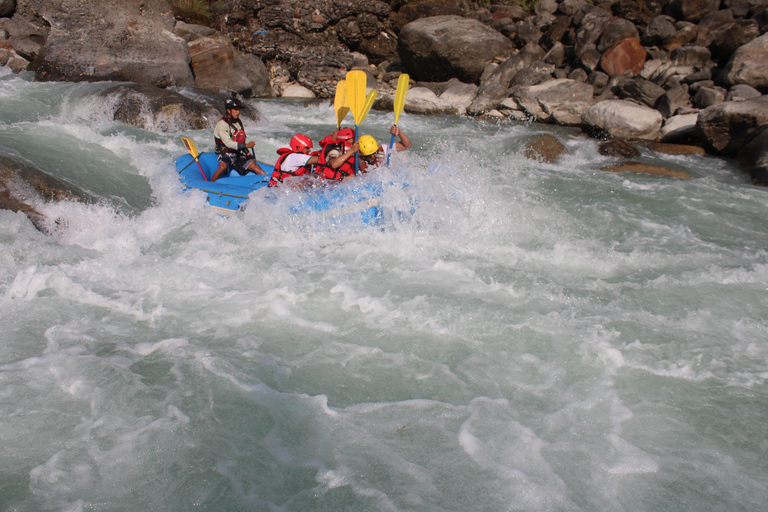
529 337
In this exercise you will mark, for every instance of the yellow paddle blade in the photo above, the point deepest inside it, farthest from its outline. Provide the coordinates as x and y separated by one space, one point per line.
368 104
356 81
340 102
402 90
190 147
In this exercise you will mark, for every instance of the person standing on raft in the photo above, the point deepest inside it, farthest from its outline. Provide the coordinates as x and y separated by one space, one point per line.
372 154
229 135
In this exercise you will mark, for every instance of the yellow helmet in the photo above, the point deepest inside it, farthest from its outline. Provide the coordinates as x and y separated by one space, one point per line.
368 145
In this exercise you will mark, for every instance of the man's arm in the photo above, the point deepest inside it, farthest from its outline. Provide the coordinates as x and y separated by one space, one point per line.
404 143
337 162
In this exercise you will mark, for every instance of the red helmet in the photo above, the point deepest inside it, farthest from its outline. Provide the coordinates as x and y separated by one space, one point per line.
345 134
300 142
328 139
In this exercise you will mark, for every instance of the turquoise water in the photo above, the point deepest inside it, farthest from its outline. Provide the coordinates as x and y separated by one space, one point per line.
533 337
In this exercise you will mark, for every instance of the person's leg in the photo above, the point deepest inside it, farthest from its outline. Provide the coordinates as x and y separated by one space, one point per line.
256 168
221 170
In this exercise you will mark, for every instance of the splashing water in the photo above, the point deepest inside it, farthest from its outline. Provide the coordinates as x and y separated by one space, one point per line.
529 337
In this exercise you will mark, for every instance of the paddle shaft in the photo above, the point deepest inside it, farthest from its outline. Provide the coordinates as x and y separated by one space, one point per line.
201 169
190 163
391 147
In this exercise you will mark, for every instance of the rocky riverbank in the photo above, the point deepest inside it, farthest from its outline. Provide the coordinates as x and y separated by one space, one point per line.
681 71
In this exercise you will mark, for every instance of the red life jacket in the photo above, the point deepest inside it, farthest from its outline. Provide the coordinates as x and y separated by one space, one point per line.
278 175
324 169
236 131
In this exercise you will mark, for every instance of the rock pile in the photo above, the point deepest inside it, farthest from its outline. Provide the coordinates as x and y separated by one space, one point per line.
690 71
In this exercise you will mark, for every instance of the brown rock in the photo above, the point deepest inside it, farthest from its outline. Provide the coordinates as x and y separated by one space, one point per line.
619 148
545 148
626 55
645 169
675 149
213 63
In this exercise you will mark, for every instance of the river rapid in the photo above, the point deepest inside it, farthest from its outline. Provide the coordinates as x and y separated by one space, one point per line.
529 337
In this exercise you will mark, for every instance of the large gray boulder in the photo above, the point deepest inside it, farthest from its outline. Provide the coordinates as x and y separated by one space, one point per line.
623 120
749 65
442 47
728 126
562 101
122 40
421 100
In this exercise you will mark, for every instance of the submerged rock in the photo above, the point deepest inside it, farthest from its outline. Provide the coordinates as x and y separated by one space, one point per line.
675 149
24 188
545 148
643 168
619 148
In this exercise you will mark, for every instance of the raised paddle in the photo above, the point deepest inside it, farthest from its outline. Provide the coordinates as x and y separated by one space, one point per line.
193 151
340 102
368 104
402 90
356 82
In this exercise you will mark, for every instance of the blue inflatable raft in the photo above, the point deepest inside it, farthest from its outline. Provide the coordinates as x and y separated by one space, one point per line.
327 200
